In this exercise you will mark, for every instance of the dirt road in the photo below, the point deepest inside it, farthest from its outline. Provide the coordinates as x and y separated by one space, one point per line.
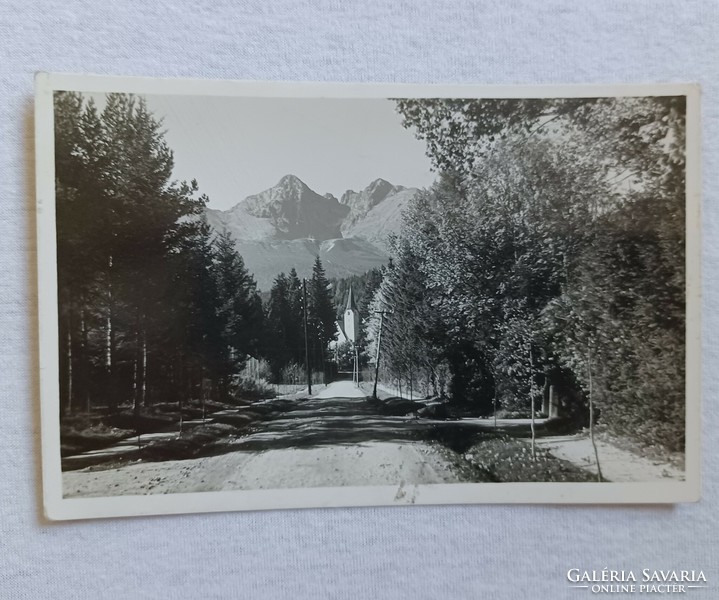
334 438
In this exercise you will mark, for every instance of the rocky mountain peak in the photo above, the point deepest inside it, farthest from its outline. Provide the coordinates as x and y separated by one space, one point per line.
373 194
295 211
361 203
289 224
291 183
380 188
290 210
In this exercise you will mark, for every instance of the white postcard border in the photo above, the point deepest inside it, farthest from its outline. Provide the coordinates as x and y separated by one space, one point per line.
58 508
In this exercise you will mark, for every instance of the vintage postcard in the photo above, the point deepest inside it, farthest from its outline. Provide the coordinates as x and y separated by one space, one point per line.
285 295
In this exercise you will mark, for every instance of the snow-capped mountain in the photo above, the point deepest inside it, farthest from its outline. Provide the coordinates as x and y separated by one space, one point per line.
289 224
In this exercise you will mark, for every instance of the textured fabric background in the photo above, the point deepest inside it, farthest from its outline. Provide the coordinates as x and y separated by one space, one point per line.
512 552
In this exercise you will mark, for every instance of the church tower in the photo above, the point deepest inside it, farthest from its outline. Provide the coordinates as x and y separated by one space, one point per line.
351 322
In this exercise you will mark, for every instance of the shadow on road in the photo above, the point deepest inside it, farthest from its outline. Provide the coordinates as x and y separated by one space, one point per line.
316 422
283 423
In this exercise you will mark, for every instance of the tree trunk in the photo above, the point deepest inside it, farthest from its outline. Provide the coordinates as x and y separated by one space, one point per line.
109 341
68 355
112 392
136 367
531 394
591 414
144 397
180 390
202 391
186 388
84 362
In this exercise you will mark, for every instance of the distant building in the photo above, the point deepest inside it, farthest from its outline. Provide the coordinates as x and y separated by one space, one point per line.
348 328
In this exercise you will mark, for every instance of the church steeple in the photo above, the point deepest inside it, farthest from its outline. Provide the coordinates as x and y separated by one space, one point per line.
351 320
351 301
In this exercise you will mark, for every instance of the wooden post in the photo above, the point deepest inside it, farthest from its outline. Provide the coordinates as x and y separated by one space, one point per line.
355 375
591 414
376 358
307 351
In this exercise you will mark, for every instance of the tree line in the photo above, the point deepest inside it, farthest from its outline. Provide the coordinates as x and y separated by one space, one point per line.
298 338
549 253
154 306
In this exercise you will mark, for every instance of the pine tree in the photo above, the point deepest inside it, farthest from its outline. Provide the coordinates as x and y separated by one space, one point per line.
320 314
197 314
119 224
239 311
77 146
280 319
373 279
295 335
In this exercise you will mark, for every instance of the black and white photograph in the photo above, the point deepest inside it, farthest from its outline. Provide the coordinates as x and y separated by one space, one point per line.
258 296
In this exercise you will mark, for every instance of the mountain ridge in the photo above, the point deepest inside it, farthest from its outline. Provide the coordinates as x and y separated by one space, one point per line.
296 211
289 224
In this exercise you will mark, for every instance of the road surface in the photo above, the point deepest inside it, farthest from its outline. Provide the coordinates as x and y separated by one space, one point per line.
334 438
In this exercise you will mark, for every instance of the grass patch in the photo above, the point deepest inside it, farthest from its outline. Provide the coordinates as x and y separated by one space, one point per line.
507 459
203 440
79 437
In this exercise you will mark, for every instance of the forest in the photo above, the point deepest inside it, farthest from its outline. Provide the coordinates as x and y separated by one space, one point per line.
550 254
154 306
548 258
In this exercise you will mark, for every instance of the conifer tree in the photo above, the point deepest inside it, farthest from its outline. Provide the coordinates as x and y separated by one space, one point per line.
279 325
295 330
320 314
239 311
118 224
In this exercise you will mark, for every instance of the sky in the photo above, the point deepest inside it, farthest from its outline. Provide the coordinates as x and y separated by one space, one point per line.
236 147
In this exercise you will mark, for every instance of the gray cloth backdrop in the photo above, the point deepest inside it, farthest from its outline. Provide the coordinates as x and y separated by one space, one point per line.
472 552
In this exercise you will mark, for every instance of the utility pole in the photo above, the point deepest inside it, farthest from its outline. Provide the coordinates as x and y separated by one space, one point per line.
356 365
591 412
307 351
376 358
